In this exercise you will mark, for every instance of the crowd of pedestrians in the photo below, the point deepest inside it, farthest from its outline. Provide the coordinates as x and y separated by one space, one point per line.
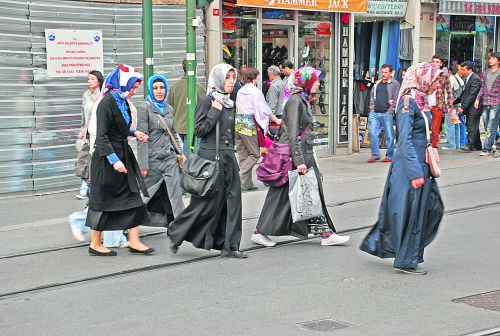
463 99
234 115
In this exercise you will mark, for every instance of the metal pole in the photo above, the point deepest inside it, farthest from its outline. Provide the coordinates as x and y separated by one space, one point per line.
147 40
191 24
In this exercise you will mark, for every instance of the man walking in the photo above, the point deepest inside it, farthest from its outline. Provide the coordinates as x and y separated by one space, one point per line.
469 109
383 99
441 100
177 99
490 93
286 69
274 96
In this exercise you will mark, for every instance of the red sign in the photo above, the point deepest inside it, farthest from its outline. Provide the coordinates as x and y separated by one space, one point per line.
216 12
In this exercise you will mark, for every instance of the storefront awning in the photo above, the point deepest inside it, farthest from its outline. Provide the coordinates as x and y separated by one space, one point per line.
471 7
344 6
384 9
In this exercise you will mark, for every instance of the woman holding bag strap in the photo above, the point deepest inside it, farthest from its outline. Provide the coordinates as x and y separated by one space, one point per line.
411 207
215 223
158 157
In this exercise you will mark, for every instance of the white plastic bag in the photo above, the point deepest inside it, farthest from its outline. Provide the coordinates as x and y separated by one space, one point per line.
303 192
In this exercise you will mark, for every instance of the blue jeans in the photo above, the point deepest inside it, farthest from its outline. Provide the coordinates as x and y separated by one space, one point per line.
109 238
84 188
463 131
452 133
376 120
490 117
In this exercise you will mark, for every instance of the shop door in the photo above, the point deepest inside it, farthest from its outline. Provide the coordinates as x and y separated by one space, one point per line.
461 47
277 46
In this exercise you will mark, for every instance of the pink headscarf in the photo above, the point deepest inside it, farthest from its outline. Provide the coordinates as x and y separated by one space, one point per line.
417 83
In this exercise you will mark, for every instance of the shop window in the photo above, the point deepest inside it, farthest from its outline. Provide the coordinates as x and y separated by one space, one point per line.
277 14
239 42
229 8
465 38
314 51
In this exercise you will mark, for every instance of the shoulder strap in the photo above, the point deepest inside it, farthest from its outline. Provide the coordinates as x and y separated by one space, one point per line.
427 131
172 138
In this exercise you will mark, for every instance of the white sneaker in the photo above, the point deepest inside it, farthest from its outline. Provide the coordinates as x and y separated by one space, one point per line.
261 239
81 197
334 239
485 153
79 235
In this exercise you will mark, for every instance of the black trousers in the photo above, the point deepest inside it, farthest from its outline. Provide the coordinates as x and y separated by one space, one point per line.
473 137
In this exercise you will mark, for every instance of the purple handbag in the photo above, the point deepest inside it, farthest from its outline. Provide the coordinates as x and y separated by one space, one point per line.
276 164
274 169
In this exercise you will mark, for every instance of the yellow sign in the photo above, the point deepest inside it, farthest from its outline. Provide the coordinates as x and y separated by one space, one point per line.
344 6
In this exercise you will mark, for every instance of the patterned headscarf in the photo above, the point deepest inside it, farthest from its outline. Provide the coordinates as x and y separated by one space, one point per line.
417 83
216 81
119 83
151 97
301 82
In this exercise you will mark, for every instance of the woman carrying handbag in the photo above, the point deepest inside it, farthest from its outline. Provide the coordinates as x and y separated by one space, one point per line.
158 158
411 207
276 216
214 222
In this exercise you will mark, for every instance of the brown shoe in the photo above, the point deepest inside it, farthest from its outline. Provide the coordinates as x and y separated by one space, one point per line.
466 148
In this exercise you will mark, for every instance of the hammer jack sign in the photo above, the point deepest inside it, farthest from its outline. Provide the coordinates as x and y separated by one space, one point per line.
345 6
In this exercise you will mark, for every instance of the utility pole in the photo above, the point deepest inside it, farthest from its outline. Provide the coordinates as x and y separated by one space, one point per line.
191 24
147 41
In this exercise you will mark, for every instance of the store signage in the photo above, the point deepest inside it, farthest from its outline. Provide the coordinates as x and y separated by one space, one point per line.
469 7
463 23
73 53
385 8
343 115
346 6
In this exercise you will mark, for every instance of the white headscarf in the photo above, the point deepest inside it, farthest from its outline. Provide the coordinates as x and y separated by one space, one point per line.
216 81
251 101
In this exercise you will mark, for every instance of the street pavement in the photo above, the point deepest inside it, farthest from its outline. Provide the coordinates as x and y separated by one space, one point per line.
50 286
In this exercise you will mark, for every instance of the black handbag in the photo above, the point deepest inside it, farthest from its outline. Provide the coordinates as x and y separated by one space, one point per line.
199 176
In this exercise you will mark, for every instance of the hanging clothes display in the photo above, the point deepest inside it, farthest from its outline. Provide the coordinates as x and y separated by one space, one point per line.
373 50
384 43
393 47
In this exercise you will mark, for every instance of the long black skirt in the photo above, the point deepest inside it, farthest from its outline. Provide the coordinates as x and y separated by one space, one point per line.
276 216
213 223
117 220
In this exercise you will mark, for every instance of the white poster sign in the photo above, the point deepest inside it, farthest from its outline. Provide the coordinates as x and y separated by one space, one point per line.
73 53
385 8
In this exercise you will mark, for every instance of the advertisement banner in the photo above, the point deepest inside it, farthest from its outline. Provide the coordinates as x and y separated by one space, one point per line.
385 8
345 6
73 53
454 7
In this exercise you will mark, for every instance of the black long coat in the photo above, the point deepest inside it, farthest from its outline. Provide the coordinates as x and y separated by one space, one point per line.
113 192
213 223
276 216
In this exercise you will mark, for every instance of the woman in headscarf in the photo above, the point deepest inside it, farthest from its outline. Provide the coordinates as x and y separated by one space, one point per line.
252 122
296 124
115 201
411 207
158 157
215 223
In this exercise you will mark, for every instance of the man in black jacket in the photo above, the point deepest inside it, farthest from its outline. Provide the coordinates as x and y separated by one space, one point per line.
473 115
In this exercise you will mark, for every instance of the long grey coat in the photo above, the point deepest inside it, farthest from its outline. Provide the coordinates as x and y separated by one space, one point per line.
158 156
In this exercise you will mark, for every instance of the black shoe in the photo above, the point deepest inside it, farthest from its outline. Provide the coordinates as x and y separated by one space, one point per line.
93 252
233 254
416 271
146 251
174 248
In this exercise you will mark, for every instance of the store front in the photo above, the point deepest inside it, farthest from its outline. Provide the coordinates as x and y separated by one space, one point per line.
467 31
261 36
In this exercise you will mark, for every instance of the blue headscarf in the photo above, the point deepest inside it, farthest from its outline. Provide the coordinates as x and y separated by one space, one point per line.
119 82
151 97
